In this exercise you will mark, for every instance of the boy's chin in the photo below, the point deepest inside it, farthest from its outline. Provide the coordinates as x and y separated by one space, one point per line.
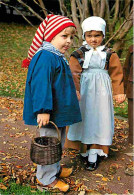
63 52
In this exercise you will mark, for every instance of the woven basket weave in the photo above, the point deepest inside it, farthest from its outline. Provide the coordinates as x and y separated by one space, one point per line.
46 150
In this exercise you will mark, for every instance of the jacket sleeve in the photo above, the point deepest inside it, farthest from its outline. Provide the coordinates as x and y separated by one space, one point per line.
76 70
116 74
41 85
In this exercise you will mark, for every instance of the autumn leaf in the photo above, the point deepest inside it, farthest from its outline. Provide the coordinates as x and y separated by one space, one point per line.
2 186
105 179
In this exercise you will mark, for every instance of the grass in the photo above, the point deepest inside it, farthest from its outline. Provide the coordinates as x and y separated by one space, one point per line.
15 40
122 110
17 189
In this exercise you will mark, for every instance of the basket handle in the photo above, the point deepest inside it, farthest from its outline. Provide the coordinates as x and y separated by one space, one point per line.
58 132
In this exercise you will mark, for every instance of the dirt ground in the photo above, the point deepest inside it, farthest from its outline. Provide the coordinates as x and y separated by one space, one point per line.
113 176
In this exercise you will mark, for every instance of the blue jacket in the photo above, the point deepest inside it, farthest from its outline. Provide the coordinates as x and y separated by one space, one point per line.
50 89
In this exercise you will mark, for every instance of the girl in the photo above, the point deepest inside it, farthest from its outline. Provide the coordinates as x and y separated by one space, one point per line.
92 69
50 92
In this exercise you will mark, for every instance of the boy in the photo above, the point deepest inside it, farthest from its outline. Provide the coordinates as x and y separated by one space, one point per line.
50 91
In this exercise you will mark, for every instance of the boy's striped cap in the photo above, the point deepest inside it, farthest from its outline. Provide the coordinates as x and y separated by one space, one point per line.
47 30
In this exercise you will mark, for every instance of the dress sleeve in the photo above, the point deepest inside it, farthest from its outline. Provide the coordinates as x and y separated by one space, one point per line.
76 70
41 85
116 74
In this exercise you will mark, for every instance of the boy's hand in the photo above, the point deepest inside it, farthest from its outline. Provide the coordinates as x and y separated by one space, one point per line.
78 95
120 98
43 119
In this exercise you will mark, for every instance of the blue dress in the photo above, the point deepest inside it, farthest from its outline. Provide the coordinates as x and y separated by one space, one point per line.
96 104
50 89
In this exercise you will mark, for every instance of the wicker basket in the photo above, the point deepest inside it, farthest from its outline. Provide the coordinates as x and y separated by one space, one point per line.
46 150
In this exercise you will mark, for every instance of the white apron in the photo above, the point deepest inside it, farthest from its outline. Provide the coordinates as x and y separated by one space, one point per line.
96 104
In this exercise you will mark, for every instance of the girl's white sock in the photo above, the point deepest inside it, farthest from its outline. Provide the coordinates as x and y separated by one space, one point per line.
101 153
84 154
92 158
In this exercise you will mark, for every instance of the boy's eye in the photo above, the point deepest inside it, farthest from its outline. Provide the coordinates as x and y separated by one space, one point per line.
71 37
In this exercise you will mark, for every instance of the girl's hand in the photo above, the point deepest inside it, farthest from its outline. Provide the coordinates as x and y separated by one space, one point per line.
43 119
120 98
78 95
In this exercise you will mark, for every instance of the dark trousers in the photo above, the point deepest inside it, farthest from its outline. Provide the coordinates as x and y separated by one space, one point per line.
130 119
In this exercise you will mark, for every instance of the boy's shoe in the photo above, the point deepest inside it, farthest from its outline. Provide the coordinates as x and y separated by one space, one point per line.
55 185
92 166
65 172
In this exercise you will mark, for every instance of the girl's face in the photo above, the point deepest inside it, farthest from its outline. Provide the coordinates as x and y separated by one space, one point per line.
94 38
64 39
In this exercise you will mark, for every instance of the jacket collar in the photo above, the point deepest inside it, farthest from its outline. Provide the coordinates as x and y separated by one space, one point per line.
49 47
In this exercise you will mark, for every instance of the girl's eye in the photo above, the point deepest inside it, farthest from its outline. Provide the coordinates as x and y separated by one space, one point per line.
89 36
64 35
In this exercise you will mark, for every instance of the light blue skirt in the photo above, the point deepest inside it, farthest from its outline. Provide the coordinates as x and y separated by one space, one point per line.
96 104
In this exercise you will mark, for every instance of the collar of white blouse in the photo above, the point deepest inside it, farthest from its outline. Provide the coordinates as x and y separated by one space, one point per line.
89 53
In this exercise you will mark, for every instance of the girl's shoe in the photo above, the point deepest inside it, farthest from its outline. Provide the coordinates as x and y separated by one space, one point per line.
92 166
84 159
101 158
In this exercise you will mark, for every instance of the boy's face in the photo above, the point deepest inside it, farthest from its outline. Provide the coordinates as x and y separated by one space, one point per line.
63 40
94 38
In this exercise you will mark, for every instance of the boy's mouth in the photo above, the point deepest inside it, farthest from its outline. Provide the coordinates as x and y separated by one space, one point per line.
66 47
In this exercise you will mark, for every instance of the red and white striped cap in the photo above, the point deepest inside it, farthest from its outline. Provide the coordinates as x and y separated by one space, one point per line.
47 30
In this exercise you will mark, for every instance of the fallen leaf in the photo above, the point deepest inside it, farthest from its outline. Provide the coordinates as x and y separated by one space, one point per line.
105 179
6 178
18 166
130 154
99 175
119 178
2 186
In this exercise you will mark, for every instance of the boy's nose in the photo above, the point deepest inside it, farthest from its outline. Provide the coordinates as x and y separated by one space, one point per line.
68 39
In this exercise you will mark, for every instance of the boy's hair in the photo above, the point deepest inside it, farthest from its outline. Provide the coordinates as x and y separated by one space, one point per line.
72 29
47 30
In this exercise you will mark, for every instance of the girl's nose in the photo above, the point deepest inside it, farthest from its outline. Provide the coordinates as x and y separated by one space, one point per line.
93 38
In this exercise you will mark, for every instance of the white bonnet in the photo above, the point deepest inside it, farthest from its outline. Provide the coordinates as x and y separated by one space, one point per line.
93 23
